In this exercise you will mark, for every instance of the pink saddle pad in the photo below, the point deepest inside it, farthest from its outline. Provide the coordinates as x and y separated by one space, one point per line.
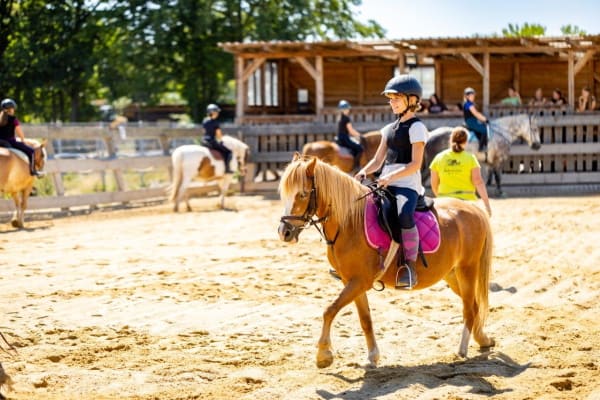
427 225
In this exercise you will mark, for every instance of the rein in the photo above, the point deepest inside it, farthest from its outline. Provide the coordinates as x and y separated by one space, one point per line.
308 217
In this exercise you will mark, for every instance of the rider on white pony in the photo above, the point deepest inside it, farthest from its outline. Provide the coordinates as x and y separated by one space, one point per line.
213 135
9 126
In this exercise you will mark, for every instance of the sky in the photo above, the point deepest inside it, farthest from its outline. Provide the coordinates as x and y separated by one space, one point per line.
414 19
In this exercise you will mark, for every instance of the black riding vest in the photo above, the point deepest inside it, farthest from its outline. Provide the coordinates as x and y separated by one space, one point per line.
399 147
8 131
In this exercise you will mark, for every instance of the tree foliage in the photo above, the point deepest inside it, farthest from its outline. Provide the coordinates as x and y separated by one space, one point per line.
569 30
57 57
527 30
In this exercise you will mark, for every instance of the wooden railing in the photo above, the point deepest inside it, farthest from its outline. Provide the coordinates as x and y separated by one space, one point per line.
568 158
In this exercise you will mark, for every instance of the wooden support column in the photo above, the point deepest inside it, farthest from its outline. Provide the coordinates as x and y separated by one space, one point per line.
438 79
517 76
571 79
486 82
239 88
319 86
361 84
401 63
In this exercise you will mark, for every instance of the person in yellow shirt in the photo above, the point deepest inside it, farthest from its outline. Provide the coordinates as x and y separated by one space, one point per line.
457 173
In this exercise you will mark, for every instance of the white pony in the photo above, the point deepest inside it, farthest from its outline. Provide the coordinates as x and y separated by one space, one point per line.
197 162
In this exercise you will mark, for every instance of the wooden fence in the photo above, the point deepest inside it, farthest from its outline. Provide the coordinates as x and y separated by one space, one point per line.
566 163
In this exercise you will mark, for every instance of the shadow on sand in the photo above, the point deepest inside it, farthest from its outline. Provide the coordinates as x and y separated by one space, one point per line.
378 382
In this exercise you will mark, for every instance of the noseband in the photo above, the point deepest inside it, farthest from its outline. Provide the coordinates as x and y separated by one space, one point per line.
308 217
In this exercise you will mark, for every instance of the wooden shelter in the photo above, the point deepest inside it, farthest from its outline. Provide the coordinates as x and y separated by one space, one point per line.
284 81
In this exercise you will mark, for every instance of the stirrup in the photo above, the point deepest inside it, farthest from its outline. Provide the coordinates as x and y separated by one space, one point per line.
406 280
334 273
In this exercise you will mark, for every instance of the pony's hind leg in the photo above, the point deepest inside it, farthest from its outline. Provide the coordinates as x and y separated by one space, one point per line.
474 313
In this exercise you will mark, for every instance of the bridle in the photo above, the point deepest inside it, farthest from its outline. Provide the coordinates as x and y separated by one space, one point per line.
308 218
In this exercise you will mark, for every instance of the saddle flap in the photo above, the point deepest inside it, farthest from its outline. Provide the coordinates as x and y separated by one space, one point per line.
380 225
344 152
387 213
216 154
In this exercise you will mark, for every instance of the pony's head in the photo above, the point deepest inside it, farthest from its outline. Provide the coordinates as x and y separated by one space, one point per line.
534 133
521 126
309 189
39 153
239 150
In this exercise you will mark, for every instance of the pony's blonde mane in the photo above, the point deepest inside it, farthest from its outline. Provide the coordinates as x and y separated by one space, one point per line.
333 186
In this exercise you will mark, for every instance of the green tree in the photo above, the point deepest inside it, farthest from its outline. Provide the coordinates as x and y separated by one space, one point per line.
527 30
569 30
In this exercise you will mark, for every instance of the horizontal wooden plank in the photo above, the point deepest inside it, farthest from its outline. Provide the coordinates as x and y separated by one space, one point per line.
86 165
551 178
557 148
94 199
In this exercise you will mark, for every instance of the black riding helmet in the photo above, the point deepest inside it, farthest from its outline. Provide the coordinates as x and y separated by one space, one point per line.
403 84
8 103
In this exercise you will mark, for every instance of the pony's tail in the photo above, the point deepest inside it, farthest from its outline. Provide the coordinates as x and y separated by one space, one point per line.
483 280
177 161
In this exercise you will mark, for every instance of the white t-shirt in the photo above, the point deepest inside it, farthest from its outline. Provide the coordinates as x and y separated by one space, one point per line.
417 133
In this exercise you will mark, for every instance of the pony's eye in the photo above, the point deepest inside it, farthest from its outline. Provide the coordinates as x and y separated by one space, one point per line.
302 195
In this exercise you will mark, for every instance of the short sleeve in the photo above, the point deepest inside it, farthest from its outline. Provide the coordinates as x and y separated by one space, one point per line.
418 132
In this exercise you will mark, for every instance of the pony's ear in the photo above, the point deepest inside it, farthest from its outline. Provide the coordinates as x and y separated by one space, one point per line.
310 169
297 156
43 142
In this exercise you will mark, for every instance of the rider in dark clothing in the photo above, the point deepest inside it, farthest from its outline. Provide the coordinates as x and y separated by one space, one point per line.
213 134
345 130
10 127
475 120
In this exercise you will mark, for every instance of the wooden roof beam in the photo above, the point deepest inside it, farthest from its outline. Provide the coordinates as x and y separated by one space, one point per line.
308 67
583 60
254 65
474 63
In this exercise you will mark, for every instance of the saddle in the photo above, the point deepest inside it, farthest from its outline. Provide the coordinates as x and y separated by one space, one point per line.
214 153
344 152
381 222
6 149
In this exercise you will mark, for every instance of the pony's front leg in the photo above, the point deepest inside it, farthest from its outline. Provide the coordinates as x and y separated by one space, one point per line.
364 313
17 220
348 294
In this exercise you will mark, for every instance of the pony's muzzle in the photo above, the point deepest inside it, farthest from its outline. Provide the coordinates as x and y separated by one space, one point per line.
288 232
536 145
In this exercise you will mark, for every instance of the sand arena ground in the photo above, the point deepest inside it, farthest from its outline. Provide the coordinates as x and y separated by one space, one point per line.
146 304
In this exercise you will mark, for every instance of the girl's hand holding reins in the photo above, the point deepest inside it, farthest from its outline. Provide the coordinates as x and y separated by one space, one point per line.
360 176
383 181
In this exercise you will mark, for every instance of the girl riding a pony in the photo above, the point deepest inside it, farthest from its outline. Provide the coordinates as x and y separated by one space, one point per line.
345 131
9 126
213 135
400 152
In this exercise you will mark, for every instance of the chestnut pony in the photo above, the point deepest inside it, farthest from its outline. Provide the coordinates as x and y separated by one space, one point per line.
15 179
331 153
316 193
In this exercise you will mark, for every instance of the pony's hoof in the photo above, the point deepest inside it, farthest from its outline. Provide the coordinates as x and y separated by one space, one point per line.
15 223
373 358
324 359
